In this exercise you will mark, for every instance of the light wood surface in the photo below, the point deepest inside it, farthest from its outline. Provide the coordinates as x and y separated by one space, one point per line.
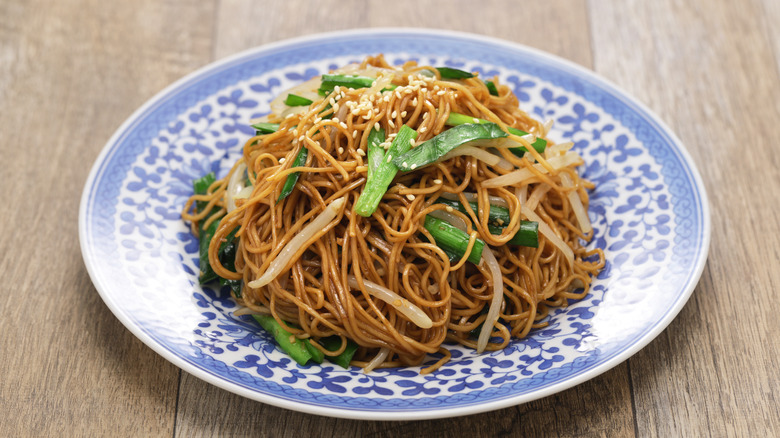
72 70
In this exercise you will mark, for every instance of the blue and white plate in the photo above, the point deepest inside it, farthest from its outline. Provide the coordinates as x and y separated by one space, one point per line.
649 212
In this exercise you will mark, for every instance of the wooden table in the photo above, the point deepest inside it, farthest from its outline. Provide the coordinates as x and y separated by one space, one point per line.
72 70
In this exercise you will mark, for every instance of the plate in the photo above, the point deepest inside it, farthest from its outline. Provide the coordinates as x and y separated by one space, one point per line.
649 211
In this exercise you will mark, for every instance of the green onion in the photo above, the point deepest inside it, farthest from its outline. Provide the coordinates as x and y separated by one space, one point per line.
375 189
288 343
333 343
497 215
316 354
266 128
453 73
295 100
448 140
289 183
200 187
456 119
376 153
329 82
450 238
491 88
527 235
227 256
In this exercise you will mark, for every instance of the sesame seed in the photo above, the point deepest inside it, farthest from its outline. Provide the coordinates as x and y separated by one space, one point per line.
295 132
361 152
425 116
397 94
424 90
343 125
408 91
301 138
411 142
395 113
335 107
332 101
376 126
337 88
317 119
414 102
354 134
500 221
282 160
414 166
437 181
441 93
404 164
410 197
341 150
393 135
386 98
476 120
390 122
389 158
449 209
403 114
335 119
292 339
435 87
423 129
355 112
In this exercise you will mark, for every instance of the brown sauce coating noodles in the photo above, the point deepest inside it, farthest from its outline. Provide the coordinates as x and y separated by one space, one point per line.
391 248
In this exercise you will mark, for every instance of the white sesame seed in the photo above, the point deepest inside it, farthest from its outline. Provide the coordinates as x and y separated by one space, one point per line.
295 132
414 166
282 160
441 93
332 101
335 107
393 135
408 91
410 197
476 120
389 158
395 113
404 164
423 129
301 138
397 93
337 88
425 116
403 113
354 134
386 98
343 125
376 126
317 119
435 87
449 209
437 181
390 122
341 150
414 102
335 119
424 90
411 142
355 112
360 152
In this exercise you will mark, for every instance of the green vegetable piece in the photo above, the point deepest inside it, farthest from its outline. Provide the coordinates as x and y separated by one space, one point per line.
491 88
289 183
316 355
296 349
376 153
450 237
295 100
527 235
453 73
329 82
333 343
374 190
497 216
266 128
448 140
200 187
456 119
227 256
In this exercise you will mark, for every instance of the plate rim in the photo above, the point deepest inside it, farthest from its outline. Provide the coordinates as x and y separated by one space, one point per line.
340 412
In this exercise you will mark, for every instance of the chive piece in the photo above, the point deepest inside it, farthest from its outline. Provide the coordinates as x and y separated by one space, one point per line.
450 237
497 215
527 235
374 190
329 82
376 153
448 140
295 100
491 86
316 354
333 343
454 73
227 256
266 128
456 119
200 186
289 183
285 340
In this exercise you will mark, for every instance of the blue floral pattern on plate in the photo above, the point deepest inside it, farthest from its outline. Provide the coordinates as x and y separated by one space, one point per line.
649 213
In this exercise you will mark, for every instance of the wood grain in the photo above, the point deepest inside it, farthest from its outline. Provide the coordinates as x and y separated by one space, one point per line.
72 71
712 75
